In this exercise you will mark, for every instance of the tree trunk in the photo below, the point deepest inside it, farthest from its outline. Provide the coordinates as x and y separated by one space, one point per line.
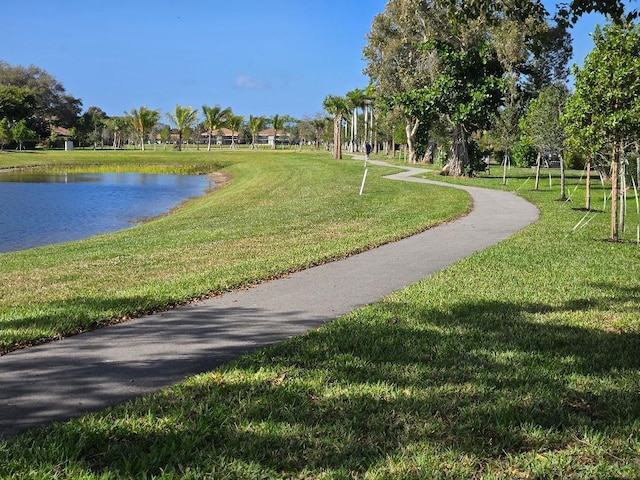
538 164
614 191
458 153
505 162
587 202
637 163
563 182
410 131
337 137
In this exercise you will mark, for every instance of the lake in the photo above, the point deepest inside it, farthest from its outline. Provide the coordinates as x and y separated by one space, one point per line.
41 209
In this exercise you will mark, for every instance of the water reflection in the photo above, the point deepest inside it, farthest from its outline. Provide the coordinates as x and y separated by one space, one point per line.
43 208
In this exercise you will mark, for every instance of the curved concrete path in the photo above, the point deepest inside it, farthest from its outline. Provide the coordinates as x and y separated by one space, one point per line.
70 377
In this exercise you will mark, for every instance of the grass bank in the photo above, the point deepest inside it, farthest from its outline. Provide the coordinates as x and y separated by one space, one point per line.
282 212
517 362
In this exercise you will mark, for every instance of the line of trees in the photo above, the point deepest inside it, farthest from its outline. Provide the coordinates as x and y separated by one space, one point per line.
462 81
35 109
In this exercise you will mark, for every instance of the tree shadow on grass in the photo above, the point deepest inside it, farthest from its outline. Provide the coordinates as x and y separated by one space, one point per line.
483 379
55 320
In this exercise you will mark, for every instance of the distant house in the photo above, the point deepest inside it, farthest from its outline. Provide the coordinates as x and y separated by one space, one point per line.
221 136
268 136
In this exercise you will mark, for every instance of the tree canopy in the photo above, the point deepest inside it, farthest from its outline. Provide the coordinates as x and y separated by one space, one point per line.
46 101
604 110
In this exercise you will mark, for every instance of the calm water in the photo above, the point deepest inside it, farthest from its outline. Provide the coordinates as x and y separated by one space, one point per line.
41 209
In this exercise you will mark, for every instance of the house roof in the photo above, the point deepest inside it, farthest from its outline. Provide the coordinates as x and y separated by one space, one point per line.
225 132
63 132
271 131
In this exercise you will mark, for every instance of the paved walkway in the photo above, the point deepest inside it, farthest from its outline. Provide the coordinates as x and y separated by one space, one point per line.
70 377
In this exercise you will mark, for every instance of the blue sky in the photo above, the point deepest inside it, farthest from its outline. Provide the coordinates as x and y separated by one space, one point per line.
258 57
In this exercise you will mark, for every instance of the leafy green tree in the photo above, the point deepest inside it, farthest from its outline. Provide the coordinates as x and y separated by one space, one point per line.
571 11
22 134
255 125
542 126
467 89
184 118
5 132
398 66
524 154
53 105
214 119
583 137
165 135
549 62
142 122
445 58
119 127
604 108
17 103
91 125
338 107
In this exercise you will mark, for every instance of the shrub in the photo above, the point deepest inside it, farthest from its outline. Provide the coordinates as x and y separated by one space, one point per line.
524 154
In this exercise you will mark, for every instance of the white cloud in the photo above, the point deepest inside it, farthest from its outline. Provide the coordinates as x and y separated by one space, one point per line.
245 81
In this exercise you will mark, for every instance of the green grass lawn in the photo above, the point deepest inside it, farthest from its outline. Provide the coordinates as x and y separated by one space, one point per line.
520 361
283 211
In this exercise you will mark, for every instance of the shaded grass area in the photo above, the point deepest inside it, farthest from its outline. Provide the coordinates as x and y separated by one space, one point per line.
282 212
517 362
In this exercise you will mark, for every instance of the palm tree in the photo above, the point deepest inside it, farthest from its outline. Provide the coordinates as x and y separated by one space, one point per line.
214 119
356 99
183 118
278 123
143 121
233 123
338 107
255 125
318 125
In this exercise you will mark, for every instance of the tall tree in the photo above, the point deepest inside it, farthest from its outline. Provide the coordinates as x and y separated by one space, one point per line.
22 133
336 106
234 122
571 11
356 100
468 86
184 118
255 125
17 103
5 132
143 121
606 95
549 62
165 135
441 58
119 128
91 125
277 123
214 119
398 66
542 126
318 124
53 105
